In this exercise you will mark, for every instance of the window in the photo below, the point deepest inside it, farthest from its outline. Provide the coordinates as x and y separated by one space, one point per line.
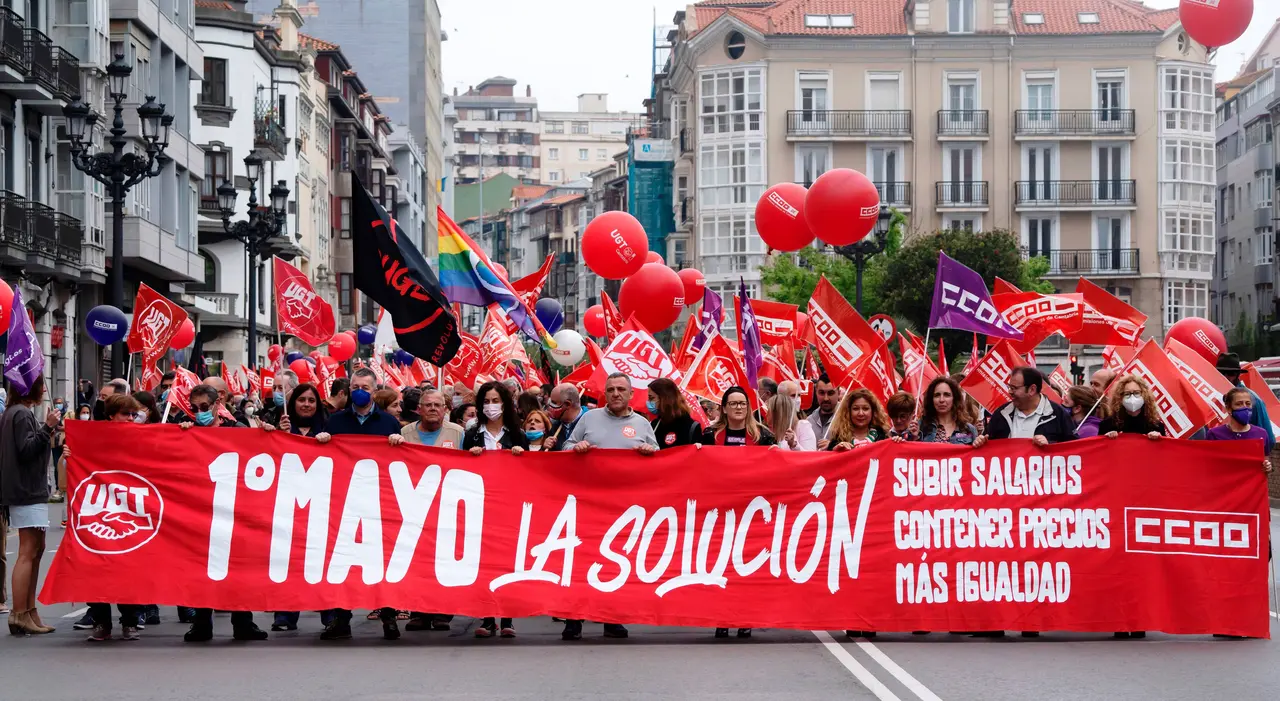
344 218
1187 100
1040 97
1110 95
1032 18
1263 189
1185 298
1186 172
1263 246
735 45
960 16
602 154
731 174
1038 238
812 160
344 152
555 127
1186 241
216 170
554 176
962 97
582 154
581 128
345 287
731 101
1087 17
1257 133
828 20
553 154
729 243
213 89
813 97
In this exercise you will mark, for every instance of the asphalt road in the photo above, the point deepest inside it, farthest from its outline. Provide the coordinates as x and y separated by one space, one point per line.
654 663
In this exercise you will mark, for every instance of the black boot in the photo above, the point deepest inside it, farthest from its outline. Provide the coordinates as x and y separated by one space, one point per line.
249 632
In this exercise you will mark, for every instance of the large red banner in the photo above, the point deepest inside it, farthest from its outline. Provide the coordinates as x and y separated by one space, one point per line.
1094 535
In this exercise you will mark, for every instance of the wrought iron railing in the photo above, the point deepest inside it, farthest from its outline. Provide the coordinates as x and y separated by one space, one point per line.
70 238
962 193
894 193
39 48
67 69
1088 261
1078 193
43 224
963 123
826 123
13 40
1101 122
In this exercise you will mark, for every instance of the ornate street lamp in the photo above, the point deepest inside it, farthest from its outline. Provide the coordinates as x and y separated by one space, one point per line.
263 224
862 252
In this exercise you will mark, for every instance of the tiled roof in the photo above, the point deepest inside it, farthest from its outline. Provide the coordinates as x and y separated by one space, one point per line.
564 199
526 192
214 5
886 17
307 41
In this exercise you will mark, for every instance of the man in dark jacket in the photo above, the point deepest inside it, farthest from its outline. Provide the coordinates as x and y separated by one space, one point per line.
274 405
362 417
1030 414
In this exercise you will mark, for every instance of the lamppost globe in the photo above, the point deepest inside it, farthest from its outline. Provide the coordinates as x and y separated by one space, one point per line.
253 167
165 123
227 200
118 72
279 198
149 115
77 115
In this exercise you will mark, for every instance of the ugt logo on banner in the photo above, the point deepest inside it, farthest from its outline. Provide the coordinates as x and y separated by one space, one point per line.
115 511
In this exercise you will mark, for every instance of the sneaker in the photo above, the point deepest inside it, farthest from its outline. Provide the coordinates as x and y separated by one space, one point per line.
249 632
100 633
615 630
198 634
153 615
128 633
508 632
390 630
336 630
483 632
85 623
142 620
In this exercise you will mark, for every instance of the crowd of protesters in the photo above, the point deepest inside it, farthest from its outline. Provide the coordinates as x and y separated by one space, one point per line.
502 416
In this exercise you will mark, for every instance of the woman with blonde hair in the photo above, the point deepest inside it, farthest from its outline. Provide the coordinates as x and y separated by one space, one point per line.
1132 409
736 426
859 420
785 422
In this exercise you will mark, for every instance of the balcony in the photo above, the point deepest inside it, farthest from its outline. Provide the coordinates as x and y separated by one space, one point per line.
42 223
70 236
848 125
93 263
67 68
1075 194
686 210
962 195
963 124
15 235
894 194
1116 262
13 48
219 309
269 139
686 141
1073 124
64 86
40 59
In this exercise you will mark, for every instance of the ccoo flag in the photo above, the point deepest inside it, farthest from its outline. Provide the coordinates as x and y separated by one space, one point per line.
961 301
391 270
23 358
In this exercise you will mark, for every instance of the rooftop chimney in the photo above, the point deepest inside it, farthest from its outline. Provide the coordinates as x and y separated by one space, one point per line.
528 90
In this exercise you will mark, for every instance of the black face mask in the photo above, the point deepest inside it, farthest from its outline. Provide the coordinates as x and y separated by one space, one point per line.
99 410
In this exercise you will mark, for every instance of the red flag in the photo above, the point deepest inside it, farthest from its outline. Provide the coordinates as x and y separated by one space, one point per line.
1040 316
580 377
775 320
1002 287
1203 377
638 354
811 370
1059 379
464 366
1115 357
844 337
804 332
268 380
683 354
973 358
255 382
715 369
299 310
530 286
1254 381
988 381
233 381
612 317
180 393
942 360
780 366
876 372
1108 320
918 370
379 369
155 321
1181 408
497 344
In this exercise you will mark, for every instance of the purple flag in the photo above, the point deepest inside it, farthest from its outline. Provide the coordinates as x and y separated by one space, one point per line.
749 335
710 316
23 359
961 301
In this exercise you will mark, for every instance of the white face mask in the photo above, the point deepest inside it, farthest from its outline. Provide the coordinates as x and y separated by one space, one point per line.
471 422
139 418
796 400
492 411
1133 404
456 400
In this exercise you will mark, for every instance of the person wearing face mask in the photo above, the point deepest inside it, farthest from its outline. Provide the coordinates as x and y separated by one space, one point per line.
114 387
464 415
1239 402
500 429
362 418
59 442
673 425
564 406
1133 410
275 410
84 412
793 432
536 427
1229 365
1079 400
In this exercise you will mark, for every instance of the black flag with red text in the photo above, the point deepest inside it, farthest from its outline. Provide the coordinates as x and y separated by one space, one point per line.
392 271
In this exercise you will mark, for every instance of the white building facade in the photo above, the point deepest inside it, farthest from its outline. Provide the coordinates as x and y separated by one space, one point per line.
576 144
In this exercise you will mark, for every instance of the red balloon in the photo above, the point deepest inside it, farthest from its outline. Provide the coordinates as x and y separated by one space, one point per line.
6 304
342 347
273 353
654 257
842 207
315 354
694 285
1201 336
185 335
654 296
593 321
780 217
302 369
614 245
802 324
1216 24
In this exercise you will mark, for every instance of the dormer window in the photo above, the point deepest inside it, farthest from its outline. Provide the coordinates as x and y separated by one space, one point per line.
960 15
1033 18
822 21
1088 17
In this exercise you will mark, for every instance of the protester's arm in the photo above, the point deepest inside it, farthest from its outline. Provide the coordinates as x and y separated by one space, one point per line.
578 435
31 440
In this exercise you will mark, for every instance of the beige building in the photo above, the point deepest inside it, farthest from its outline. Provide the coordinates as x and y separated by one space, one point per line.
314 221
497 132
576 144
1084 125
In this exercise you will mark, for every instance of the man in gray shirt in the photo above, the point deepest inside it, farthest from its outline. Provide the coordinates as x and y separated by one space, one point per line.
614 426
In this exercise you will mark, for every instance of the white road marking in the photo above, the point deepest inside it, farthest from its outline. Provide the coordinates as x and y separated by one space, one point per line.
77 613
898 673
862 674
1275 615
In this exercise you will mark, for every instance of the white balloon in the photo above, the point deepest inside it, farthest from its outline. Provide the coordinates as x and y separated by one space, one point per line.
569 347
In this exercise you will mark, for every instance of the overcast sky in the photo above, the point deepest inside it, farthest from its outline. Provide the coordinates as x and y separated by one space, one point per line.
567 47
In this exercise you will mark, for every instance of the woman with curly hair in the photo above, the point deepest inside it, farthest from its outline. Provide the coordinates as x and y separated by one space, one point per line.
946 416
1132 410
859 420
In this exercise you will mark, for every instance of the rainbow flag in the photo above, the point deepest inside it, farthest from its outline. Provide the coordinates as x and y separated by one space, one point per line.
469 277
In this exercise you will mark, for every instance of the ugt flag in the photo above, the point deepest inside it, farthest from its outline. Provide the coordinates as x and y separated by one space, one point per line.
23 358
961 301
299 310
391 270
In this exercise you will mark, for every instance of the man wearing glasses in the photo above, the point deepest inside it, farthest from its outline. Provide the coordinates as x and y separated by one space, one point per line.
564 406
1030 414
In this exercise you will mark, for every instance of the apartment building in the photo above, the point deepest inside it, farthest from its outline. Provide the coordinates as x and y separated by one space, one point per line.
409 191
1084 125
248 105
358 149
576 144
497 132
